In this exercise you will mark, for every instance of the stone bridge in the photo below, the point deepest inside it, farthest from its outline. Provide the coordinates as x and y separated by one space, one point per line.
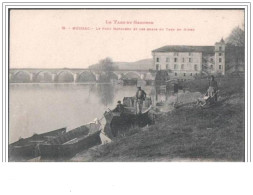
30 75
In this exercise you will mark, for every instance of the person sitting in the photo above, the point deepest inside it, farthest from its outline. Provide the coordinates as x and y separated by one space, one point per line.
119 108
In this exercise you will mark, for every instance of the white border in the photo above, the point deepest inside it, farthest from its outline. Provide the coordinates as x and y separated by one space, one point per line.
127 5
130 178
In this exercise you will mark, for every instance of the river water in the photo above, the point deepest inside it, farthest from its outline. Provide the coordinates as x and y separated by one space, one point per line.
38 108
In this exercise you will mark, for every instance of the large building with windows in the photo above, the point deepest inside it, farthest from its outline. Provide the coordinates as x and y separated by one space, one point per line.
189 61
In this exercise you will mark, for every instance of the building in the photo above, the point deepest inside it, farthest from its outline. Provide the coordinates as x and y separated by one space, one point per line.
185 62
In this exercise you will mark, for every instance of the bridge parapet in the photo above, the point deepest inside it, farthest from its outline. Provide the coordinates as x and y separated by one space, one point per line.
75 75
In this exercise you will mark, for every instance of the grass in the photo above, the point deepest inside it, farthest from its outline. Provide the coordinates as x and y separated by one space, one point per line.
227 85
188 133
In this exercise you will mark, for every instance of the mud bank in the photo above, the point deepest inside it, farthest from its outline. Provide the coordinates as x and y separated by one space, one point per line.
184 134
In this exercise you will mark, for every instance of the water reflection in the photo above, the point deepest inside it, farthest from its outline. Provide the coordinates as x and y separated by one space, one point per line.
105 94
37 108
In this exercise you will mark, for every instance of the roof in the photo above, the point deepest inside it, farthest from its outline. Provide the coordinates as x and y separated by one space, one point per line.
186 48
222 40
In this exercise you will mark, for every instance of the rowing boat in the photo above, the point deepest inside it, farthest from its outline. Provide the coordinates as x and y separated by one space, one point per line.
69 144
27 148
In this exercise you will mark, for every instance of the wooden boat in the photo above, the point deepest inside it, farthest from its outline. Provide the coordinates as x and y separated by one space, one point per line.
118 123
27 148
69 144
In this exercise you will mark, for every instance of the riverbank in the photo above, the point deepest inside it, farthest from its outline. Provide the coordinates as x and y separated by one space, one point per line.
185 134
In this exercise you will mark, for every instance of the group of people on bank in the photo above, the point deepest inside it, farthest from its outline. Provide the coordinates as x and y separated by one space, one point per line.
212 92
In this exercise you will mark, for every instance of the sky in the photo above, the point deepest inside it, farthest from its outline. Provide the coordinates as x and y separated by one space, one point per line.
46 38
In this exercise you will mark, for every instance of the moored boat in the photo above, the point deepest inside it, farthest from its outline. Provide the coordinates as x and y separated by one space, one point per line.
27 148
120 122
69 144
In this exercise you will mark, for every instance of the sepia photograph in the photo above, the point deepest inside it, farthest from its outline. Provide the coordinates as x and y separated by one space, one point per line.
126 85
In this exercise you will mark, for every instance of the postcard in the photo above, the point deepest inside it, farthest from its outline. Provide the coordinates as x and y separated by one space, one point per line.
126 85
121 83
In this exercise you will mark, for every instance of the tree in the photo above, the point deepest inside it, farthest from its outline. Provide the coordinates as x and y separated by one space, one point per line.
105 65
236 37
105 69
235 45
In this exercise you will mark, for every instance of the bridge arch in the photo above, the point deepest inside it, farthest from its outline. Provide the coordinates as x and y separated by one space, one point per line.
86 76
65 76
43 76
21 76
132 75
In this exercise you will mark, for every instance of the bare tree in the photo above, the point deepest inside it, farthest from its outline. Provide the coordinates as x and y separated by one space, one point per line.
235 44
236 37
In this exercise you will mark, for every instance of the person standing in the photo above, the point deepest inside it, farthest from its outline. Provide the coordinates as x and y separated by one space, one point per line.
213 88
140 97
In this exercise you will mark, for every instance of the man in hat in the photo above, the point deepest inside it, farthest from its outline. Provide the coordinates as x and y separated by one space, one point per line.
140 97
119 108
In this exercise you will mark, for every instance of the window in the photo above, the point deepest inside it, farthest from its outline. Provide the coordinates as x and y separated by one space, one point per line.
157 59
211 67
220 54
175 59
220 59
167 60
190 60
182 59
191 74
175 66
182 67
184 74
176 54
175 74
220 67
167 66
157 67
195 67
211 59
220 48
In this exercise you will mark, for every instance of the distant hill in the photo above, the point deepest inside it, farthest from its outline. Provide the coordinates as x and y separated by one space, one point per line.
144 64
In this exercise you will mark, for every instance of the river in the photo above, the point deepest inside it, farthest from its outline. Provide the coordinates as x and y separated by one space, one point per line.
38 108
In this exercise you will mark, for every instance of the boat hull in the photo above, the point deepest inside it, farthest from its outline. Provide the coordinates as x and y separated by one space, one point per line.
27 148
67 150
120 123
